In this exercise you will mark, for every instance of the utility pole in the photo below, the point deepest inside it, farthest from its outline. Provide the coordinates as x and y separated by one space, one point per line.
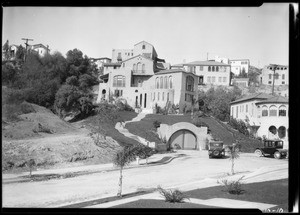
26 43
274 66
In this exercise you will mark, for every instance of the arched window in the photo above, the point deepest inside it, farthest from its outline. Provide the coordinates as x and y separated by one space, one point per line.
282 110
273 110
281 132
213 68
139 67
134 67
157 83
170 82
217 68
190 83
209 69
163 96
167 97
264 111
143 68
153 96
166 82
161 82
143 47
158 96
273 129
119 81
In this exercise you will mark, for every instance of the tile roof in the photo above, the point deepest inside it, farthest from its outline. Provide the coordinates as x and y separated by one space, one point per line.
258 96
206 63
167 71
138 56
274 99
112 64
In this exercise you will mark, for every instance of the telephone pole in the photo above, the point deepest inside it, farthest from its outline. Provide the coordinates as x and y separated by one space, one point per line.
274 66
26 43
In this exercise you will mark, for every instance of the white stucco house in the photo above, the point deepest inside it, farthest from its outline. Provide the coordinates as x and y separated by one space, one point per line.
281 75
266 114
144 80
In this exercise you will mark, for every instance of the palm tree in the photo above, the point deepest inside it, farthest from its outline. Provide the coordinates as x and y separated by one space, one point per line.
234 153
31 163
126 155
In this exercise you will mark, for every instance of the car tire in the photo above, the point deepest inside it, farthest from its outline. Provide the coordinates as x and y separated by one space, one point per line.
216 153
259 153
277 155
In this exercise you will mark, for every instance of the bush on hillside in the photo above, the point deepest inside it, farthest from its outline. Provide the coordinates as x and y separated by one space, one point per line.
156 124
239 125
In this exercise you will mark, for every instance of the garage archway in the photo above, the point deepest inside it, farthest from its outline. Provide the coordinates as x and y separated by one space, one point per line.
183 139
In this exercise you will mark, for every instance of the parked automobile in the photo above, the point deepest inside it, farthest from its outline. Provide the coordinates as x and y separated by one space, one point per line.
216 149
272 147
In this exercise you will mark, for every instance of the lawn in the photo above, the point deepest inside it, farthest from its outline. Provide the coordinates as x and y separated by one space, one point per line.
270 192
109 126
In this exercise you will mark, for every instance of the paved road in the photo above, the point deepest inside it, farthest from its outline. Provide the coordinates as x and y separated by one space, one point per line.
189 167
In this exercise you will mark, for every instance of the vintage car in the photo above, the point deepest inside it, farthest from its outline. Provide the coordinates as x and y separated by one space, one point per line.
216 149
272 147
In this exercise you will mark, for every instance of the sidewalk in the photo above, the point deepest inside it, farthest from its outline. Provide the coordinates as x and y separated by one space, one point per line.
156 159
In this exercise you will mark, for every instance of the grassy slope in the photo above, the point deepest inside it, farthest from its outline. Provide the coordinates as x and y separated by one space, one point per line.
110 126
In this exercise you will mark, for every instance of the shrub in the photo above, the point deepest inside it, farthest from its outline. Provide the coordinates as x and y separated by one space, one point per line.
26 108
240 126
156 124
232 187
172 195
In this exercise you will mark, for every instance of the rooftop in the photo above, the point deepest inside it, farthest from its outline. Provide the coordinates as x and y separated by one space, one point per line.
206 63
168 71
274 99
256 96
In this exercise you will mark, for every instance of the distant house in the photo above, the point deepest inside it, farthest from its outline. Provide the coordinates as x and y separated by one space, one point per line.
240 82
281 75
40 49
239 66
11 52
210 72
267 115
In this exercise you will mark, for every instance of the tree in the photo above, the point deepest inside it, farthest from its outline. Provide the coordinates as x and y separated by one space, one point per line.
21 52
234 153
6 50
31 164
125 156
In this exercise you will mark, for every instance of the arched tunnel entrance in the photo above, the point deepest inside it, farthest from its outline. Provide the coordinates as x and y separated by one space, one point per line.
183 139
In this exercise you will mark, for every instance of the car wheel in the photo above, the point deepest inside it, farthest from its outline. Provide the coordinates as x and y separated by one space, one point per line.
277 155
258 152
216 153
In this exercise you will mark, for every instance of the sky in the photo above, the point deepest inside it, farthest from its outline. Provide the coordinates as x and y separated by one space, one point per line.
178 34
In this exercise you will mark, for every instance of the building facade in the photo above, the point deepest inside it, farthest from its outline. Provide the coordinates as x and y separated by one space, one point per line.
266 115
210 72
239 66
281 75
145 81
40 49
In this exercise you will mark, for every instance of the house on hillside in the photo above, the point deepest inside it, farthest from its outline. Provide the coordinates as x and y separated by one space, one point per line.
40 49
210 72
267 115
144 80
9 54
240 82
281 75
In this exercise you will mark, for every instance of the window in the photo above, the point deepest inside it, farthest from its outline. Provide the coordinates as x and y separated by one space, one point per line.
283 82
281 132
123 64
167 97
161 83
232 111
134 67
209 68
158 94
270 82
208 79
118 93
246 108
273 110
270 76
201 68
139 67
153 96
213 68
220 79
224 79
119 81
283 76
217 68
163 96
166 82
213 79
143 68
190 83
143 47
264 111
282 111
157 83
188 97
170 82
